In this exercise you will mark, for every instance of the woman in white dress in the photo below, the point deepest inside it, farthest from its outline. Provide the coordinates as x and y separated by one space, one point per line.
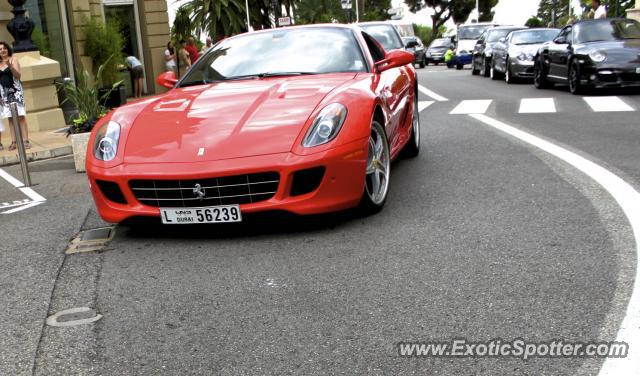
11 91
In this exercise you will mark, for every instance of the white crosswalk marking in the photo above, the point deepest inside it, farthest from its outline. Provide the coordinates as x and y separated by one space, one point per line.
424 104
472 107
537 105
432 94
607 104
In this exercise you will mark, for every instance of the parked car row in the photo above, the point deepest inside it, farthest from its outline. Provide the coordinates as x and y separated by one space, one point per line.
589 54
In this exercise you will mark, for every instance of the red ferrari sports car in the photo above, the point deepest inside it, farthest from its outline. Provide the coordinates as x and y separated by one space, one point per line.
303 119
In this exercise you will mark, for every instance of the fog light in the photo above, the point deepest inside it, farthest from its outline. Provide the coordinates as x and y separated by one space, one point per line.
592 77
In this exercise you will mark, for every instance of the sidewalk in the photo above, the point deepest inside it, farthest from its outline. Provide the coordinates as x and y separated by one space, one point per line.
47 144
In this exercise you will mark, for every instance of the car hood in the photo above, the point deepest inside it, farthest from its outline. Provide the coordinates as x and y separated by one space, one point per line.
617 51
531 49
227 119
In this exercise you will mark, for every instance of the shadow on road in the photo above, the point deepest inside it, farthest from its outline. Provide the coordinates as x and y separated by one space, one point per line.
259 224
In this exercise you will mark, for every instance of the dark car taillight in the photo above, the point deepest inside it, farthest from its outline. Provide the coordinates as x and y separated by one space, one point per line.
306 181
111 191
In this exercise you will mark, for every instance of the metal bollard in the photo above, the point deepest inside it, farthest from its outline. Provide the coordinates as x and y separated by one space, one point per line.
19 142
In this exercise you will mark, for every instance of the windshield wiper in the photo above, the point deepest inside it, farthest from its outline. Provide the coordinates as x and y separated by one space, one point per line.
196 82
267 74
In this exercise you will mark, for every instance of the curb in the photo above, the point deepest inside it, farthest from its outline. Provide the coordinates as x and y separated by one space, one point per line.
37 155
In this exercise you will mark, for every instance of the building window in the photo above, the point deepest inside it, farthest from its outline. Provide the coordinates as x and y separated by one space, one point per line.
49 30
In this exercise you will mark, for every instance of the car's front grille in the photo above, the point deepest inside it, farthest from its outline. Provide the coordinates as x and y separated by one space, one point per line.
227 190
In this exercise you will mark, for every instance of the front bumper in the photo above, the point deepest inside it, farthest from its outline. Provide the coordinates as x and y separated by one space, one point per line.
610 76
340 188
522 68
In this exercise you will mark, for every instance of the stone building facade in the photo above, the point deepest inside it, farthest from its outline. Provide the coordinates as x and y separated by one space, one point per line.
63 23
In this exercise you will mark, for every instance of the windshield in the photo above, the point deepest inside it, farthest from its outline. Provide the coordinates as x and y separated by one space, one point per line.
385 35
533 36
279 52
440 43
607 31
405 30
495 35
471 32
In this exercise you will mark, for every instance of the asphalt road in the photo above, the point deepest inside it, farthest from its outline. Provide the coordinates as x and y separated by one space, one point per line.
483 237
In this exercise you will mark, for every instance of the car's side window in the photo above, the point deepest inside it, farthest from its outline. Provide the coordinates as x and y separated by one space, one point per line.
570 34
377 53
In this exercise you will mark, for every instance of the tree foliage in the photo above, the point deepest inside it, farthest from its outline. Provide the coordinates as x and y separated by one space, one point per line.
458 10
534 22
485 8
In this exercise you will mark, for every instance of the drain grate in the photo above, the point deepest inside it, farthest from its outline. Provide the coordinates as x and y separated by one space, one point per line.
91 240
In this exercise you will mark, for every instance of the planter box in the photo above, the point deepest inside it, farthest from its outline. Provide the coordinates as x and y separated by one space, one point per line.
79 143
117 98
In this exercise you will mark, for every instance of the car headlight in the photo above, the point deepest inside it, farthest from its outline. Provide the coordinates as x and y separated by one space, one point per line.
326 125
105 146
597 56
525 57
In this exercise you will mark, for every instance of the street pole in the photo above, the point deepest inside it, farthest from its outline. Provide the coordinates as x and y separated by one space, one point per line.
478 10
20 143
553 13
357 13
246 5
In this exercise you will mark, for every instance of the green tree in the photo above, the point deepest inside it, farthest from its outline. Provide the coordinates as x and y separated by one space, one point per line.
182 27
458 10
319 11
534 22
485 8
552 10
217 17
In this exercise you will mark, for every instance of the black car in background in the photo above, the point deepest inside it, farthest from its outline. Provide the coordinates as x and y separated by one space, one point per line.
591 54
435 51
415 46
483 50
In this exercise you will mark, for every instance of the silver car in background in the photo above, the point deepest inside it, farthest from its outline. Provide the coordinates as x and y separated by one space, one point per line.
513 55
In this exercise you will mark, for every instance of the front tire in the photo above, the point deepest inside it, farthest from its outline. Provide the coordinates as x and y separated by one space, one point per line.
412 148
459 66
376 182
508 75
575 87
486 67
540 76
494 73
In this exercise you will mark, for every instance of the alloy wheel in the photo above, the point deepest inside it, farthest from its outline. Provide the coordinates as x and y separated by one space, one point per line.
378 166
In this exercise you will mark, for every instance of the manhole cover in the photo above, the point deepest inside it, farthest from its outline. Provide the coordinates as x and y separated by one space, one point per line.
91 240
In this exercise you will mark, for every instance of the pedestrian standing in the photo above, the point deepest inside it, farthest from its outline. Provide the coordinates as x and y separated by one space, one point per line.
170 58
192 49
599 10
137 74
207 46
183 55
11 92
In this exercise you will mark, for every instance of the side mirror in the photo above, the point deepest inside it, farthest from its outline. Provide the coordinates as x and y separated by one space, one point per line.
502 40
394 59
412 44
560 40
480 41
167 79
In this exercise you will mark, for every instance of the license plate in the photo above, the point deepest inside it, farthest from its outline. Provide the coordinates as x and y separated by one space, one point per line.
211 214
638 70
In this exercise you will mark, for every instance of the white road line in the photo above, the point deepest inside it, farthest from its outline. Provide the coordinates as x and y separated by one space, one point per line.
35 199
6 205
537 106
13 181
472 107
32 194
629 200
424 104
431 94
27 206
607 104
